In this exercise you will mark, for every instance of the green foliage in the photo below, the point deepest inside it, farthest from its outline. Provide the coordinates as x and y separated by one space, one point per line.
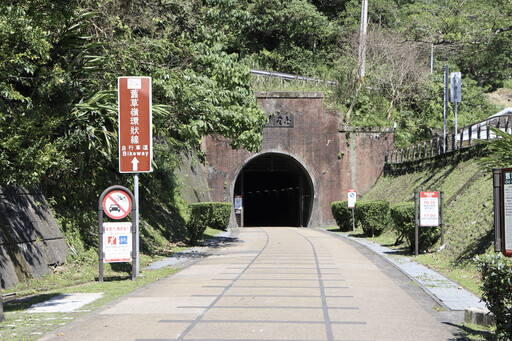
373 215
342 214
58 102
219 219
499 151
478 32
496 271
287 36
402 219
207 214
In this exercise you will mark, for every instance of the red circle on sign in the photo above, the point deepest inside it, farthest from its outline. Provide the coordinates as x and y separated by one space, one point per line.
117 204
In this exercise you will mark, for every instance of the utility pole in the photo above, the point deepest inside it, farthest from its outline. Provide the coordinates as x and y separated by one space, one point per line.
362 57
445 105
362 39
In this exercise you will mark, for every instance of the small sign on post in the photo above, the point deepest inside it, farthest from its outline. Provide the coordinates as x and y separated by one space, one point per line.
351 203
455 97
117 240
239 210
455 87
428 213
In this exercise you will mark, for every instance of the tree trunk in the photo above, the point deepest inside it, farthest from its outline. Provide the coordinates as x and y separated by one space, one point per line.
391 105
354 101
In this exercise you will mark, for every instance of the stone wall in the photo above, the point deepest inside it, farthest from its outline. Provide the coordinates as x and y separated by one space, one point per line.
335 158
30 240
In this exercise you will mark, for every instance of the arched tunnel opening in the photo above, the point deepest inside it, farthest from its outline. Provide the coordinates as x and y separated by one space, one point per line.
276 191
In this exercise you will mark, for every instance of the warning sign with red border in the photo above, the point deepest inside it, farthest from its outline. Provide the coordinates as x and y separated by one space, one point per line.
117 204
135 124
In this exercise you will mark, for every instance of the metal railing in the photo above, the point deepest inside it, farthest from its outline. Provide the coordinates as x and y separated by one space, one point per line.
466 137
290 77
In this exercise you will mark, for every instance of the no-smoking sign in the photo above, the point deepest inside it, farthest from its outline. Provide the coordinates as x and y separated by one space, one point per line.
117 204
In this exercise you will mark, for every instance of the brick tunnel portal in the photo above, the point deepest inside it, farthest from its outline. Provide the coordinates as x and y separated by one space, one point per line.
276 191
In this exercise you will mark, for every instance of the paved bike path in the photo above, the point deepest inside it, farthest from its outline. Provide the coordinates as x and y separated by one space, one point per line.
273 284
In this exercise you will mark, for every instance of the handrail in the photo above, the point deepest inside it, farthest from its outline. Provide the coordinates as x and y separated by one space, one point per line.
290 77
466 137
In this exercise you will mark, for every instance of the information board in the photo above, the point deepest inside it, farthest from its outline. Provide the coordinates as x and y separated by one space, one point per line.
429 208
117 242
507 211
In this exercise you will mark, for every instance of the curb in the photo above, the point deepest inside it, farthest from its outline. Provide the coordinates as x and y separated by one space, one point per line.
479 316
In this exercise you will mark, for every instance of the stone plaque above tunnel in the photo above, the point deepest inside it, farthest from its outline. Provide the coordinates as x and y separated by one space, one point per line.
280 120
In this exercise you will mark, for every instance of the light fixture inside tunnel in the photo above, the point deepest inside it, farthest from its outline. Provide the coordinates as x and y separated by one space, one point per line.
276 191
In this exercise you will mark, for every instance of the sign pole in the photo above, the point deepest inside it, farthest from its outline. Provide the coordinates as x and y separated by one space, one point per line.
441 215
498 220
135 138
351 203
353 221
445 106
416 222
136 194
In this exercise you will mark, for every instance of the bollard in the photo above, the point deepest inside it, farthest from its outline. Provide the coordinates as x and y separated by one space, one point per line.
2 318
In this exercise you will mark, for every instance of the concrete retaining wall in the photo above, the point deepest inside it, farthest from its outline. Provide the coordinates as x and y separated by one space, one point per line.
30 240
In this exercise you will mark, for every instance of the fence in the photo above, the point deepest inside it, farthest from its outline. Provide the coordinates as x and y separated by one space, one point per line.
289 77
465 138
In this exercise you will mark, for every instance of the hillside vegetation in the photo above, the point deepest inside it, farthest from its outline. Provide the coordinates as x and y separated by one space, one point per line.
468 208
61 59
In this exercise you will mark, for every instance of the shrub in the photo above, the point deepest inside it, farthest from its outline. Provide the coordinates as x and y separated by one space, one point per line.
402 218
207 214
373 215
342 214
496 271
219 215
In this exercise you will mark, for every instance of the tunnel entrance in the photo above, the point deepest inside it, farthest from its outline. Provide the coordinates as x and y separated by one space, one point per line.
276 191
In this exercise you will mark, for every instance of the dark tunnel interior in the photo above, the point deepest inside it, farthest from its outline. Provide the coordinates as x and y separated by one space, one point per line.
276 191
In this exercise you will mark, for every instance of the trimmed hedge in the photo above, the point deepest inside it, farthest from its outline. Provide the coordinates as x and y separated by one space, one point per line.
373 215
496 271
402 219
207 214
342 214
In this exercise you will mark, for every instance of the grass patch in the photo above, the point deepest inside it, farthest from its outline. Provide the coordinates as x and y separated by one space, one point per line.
468 209
20 325
79 275
476 332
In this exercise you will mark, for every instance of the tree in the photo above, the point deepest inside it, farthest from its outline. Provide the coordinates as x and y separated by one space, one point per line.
475 34
396 67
